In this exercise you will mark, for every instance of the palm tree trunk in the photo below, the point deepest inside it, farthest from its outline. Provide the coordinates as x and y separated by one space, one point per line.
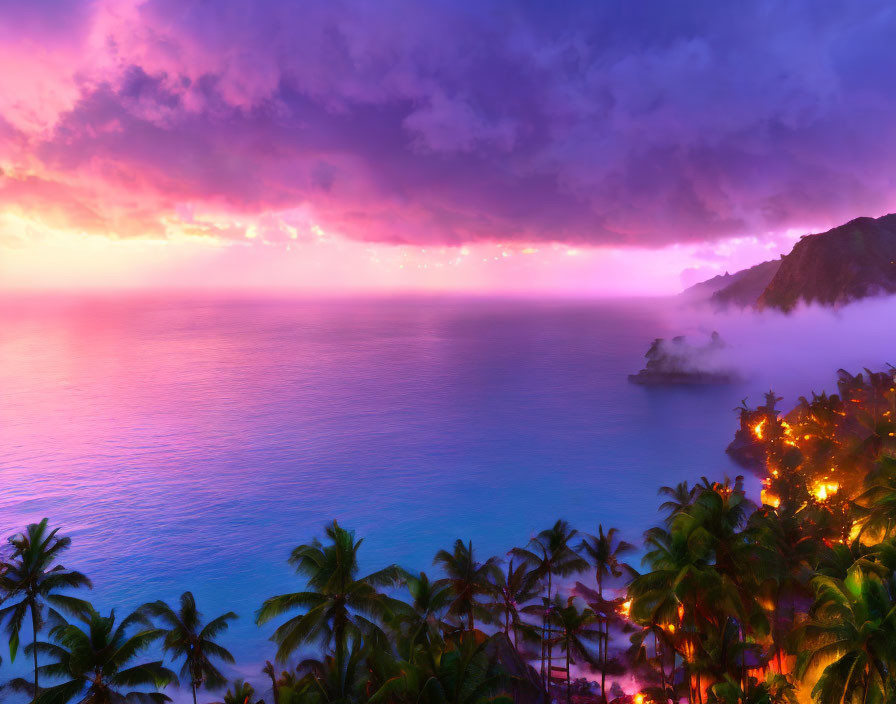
602 651
550 659
776 637
656 654
549 643
568 684
674 667
340 660
193 685
603 665
339 633
34 647
508 600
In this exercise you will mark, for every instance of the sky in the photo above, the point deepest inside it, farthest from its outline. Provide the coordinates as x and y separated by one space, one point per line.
599 147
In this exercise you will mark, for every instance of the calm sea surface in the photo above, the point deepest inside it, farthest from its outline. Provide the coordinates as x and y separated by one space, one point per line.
190 444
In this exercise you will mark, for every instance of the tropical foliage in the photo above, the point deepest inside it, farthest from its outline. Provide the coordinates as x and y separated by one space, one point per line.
185 637
791 597
95 661
32 579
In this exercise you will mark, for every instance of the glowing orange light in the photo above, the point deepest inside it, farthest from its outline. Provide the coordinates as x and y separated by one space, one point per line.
788 433
757 429
625 607
768 498
638 699
823 490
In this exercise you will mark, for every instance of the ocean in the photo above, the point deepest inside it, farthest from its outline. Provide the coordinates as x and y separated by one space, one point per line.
190 443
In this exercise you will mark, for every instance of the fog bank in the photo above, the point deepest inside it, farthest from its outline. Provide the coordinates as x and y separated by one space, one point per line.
800 352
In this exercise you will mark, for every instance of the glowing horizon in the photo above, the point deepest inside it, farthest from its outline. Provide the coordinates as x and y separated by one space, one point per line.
61 260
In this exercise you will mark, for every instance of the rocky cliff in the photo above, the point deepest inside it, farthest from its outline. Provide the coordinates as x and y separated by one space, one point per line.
847 263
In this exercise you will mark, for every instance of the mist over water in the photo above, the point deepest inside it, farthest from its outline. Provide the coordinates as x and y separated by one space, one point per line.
191 443
799 352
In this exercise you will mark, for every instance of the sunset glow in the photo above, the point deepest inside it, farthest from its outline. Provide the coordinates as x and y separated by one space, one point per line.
154 144
428 351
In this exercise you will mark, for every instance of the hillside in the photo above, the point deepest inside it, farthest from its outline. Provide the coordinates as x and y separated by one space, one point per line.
741 289
847 263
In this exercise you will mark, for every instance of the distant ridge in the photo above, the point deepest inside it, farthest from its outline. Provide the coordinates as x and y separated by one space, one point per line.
741 289
847 263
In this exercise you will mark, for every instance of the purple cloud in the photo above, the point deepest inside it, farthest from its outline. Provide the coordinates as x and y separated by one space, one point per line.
445 122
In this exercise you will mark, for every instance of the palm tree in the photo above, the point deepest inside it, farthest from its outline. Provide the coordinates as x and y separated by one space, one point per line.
853 622
680 498
511 590
466 578
785 556
877 504
96 661
467 670
186 637
604 551
240 692
549 553
716 518
720 509
338 604
422 621
343 679
663 643
673 591
33 576
577 627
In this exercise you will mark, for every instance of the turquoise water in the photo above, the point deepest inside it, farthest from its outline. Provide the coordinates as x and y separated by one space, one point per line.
190 444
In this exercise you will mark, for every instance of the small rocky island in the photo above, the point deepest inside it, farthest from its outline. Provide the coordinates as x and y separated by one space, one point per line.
677 362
